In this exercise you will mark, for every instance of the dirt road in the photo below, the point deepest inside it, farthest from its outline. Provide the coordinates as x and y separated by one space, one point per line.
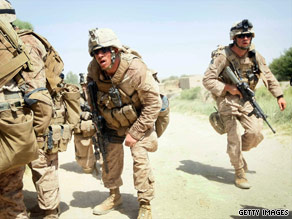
194 178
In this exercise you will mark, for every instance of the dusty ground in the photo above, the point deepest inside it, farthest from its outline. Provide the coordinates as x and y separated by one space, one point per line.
194 178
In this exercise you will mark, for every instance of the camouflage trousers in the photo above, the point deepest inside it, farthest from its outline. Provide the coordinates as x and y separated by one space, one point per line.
11 197
142 173
236 142
84 151
45 177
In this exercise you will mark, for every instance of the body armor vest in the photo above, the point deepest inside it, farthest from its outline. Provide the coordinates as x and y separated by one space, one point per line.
118 116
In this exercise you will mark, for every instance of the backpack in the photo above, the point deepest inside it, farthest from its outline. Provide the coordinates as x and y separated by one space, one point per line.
53 63
12 57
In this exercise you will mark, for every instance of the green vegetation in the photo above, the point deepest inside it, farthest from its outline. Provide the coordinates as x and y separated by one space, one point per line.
72 78
282 66
195 101
23 25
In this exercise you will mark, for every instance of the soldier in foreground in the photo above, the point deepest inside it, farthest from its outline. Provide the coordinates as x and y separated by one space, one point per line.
249 66
125 96
83 134
22 90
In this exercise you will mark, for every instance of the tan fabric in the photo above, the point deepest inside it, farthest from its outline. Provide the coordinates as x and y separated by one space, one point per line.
45 177
11 197
84 151
131 77
233 111
36 50
16 150
143 176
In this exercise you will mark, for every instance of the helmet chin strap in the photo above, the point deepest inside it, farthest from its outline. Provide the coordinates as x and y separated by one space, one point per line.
240 47
113 59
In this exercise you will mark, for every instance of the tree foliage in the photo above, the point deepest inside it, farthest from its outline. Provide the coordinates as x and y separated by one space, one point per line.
23 24
282 66
72 78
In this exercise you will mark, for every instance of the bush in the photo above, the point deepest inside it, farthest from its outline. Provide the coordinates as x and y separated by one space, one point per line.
191 94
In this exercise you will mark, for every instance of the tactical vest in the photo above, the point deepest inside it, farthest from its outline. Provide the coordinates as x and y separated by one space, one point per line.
53 63
66 117
248 68
121 118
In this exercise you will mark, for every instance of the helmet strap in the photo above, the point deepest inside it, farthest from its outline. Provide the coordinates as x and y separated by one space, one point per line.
113 59
240 47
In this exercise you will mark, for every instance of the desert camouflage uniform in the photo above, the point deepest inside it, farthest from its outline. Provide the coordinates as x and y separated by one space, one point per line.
44 169
136 82
231 108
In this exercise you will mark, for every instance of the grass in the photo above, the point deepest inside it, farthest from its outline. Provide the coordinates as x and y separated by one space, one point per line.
194 101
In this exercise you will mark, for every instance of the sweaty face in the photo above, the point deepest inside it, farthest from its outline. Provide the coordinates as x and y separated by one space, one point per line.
243 41
103 57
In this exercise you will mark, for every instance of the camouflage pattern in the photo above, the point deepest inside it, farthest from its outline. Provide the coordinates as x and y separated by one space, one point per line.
102 37
11 197
231 109
134 80
45 177
241 27
36 50
9 16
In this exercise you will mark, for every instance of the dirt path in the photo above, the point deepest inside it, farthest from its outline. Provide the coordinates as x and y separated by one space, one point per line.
194 178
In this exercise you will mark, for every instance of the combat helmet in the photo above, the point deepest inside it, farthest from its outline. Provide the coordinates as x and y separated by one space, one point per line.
6 11
241 27
102 37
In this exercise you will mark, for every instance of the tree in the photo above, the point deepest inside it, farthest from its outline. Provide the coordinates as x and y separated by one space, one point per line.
23 25
72 78
282 66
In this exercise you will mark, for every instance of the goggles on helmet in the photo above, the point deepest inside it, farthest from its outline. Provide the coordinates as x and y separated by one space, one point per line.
245 25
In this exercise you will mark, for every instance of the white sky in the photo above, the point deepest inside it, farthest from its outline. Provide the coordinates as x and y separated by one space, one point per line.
174 37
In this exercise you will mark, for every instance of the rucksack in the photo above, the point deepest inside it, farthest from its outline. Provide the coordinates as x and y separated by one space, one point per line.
53 63
13 57
163 117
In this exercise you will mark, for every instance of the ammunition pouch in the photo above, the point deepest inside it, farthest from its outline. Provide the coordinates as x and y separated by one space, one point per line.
87 128
17 149
58 138
120 117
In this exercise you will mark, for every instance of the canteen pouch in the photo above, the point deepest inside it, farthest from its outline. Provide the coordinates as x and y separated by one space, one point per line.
18 145
163 117
71 99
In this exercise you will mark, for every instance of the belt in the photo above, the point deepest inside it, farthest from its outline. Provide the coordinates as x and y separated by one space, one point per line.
6 106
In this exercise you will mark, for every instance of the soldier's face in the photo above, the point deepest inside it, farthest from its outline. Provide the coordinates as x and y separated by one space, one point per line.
243 40
103 57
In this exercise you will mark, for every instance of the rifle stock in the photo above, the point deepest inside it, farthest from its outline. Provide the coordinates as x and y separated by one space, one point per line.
248 95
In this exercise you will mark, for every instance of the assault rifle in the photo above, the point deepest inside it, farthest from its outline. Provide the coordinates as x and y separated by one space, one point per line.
100 140
248 95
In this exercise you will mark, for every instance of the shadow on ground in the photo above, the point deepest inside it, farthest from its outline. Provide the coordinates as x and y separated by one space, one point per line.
261 213
74 167
218 174
31 200
93 198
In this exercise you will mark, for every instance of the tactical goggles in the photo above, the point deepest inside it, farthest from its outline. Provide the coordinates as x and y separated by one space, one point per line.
102 50
242 36
245 24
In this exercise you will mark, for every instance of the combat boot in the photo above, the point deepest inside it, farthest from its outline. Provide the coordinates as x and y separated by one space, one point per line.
51 214
240 179
144 211
112 202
